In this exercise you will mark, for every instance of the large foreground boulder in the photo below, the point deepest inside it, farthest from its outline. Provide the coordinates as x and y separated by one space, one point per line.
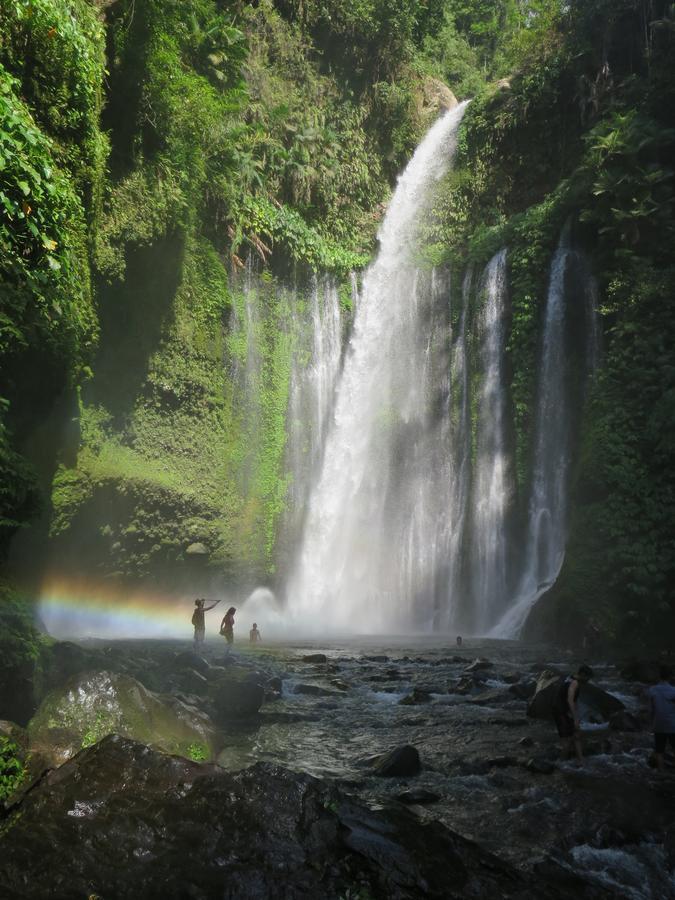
94 704
122 821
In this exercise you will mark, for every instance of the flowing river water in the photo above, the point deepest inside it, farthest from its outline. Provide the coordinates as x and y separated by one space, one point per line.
493 774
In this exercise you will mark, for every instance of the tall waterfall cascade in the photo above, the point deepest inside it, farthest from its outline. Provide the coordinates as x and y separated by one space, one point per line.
371 544
404 510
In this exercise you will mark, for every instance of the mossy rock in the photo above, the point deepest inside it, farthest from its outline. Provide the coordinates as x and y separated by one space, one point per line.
94 704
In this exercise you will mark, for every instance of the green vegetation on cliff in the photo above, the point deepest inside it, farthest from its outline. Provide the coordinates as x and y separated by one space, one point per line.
168 166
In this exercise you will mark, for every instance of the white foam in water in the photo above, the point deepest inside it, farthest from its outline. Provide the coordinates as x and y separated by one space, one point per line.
639 872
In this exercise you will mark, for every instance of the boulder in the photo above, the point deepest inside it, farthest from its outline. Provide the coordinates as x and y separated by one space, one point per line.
314 690
436 98
315 658
645 671
479 665
541 704
523 690
235 698
417 796
540 765
591 698
94 704
122 821
194 683
188 659
417 695
624 721
402 761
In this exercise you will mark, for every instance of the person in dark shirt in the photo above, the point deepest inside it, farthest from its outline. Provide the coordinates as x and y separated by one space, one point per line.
662 703
198 621
566 714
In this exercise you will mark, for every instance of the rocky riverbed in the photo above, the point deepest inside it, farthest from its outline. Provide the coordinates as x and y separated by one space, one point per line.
417 747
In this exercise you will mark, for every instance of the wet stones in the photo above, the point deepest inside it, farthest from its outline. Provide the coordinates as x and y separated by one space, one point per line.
121 820
417 796
624 721
490 698
417 696
401 762
191 660
315 658
539 765
479 665
313 690
522 690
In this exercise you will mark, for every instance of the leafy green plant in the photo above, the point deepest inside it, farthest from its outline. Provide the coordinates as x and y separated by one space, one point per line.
12 770
197 752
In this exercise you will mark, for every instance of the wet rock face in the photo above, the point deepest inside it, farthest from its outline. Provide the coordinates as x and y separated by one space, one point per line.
120 820
92 705
591 697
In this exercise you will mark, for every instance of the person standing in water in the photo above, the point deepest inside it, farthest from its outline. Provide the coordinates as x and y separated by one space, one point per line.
254 635
198 621
566 713
227 627
662 702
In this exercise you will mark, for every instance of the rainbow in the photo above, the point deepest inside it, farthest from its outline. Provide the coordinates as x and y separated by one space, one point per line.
79 607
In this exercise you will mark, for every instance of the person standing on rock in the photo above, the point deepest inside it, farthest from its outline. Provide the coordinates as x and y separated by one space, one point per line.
566 714
227 627
198 621
662 702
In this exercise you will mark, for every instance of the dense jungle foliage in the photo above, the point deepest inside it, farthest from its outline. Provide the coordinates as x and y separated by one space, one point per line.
150 149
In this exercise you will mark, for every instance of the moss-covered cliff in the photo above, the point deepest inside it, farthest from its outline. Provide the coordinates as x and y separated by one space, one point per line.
155 154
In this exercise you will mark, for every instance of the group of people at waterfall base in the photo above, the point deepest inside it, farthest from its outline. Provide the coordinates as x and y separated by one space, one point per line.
661 698
565 710
226 626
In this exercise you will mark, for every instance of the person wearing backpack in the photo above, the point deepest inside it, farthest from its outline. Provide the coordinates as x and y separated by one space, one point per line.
198 621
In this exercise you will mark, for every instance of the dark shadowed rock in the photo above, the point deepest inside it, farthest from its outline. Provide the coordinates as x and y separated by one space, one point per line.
188 659
523 690
417 796
235 698
540 765
417 695
624 721
478 665
124 822
402 761
193 682
315 658
377 659
314 690
643 670
591 697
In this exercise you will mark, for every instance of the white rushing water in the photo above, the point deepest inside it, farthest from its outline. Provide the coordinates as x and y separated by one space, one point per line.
548 502
491 484
371 544
314 374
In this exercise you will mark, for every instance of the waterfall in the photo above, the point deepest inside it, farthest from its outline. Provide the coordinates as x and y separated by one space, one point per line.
314 373
553 430
460 421
491 484
371 539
